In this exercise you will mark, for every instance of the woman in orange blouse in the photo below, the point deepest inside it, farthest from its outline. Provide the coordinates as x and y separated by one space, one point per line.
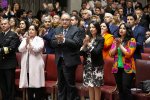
122 50
105 32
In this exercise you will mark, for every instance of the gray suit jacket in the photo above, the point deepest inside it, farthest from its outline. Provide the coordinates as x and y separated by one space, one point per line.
70 48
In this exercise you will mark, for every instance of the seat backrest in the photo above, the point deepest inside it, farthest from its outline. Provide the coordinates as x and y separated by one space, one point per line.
145 56
51 68
18 57
79 72
108 76
142 70
45 58
146 50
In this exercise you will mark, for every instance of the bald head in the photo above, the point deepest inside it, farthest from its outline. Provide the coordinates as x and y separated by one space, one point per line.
65 20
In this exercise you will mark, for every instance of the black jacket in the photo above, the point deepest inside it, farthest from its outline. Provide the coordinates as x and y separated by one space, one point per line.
96 53
9 41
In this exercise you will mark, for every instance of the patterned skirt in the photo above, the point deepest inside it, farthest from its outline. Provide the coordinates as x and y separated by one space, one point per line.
93 76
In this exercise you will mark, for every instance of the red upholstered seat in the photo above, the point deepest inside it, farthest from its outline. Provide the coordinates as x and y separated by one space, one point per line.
146 50
142 73
109 87
145 56
51 75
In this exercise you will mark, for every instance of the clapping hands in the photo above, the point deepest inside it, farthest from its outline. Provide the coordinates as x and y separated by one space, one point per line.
60 38
118 42
86 40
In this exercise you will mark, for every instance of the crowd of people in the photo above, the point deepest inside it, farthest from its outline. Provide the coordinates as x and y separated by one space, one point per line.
98 31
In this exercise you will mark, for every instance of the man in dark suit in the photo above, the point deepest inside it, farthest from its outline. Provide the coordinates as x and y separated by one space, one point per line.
67 42
9 42
108 18
46 33
138 33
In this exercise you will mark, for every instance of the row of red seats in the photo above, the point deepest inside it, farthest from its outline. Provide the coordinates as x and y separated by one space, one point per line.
108 89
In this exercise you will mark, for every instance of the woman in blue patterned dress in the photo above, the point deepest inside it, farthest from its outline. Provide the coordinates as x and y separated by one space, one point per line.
93 61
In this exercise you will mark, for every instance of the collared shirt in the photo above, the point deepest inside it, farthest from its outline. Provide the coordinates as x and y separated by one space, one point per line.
6 32
65 31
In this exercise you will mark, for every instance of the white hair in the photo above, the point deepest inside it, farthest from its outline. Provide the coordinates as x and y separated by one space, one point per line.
109 14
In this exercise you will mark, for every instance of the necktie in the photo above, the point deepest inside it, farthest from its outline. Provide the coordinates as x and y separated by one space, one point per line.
65 32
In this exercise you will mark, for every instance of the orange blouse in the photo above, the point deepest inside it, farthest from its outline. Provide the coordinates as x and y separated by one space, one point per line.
107 44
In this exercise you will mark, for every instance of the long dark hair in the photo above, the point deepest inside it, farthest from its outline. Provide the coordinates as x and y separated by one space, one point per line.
129 33
97 26
108 29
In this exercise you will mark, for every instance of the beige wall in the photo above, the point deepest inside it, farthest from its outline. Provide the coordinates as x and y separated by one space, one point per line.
74 4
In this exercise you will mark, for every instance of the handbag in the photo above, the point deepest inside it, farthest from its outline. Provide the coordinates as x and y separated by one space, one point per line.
145 86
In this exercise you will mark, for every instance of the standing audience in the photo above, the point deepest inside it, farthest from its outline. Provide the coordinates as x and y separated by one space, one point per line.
67 43
32 65
122 50
93 61
9 42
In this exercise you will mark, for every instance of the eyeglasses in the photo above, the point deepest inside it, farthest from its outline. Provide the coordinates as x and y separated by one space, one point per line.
65 19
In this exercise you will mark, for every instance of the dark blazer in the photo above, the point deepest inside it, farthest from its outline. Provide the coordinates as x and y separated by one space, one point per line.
47 38
11 41
114 30
96 53
139 35
70 48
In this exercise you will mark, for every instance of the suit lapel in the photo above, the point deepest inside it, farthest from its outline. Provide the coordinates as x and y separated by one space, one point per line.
69 31
5 37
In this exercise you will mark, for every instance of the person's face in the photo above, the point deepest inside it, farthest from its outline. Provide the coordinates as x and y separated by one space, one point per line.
122 30
93 29
85 15
22 25
30 15
16 6
24 14
84 6
47 23
56 19
97 11
65 21
74 13
121 11
130 21
74 21
12 22
35 23
129 4
5 25
32 31
107 19
138 13
103 28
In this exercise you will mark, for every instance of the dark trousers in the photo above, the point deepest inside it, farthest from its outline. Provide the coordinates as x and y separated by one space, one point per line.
66 81
7 84
35 93
124 84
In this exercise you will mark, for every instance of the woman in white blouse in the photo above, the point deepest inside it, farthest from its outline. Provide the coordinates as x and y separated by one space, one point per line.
32 64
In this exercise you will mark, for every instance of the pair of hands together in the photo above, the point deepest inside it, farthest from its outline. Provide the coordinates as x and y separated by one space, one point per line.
60 38
118 41
86 41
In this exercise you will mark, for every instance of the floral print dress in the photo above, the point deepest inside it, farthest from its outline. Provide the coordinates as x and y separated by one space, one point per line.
92 75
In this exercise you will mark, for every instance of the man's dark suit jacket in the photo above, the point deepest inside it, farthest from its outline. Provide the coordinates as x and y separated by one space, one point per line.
139 35
70 48
96 53
10 40
47 38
